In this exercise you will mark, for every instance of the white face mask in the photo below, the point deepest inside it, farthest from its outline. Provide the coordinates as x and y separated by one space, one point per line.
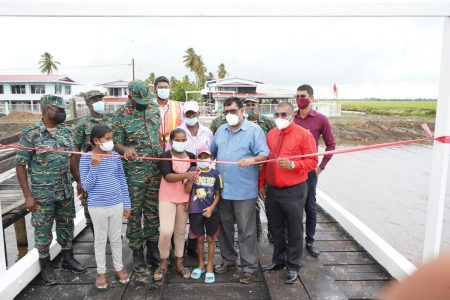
108 146
282 123
179 146
232 120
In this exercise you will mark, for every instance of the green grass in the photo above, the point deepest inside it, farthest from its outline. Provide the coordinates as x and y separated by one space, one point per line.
395 108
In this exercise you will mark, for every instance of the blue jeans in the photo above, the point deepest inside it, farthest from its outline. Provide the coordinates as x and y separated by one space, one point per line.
311 208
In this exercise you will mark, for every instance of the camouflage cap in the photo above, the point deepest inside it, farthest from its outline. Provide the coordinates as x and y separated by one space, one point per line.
252 99
53 100
92 94
139 92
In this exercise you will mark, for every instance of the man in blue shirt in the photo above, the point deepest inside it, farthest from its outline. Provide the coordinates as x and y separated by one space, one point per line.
239 141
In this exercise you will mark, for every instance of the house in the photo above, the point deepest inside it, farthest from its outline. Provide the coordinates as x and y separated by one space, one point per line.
116 93
218 90
23 92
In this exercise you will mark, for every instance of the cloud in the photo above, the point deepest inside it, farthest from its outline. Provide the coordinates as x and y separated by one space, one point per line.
366 57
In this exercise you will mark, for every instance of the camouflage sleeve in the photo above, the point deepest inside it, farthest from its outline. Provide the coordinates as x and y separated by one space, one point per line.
118 131
23 157
70 146
213 126
78 132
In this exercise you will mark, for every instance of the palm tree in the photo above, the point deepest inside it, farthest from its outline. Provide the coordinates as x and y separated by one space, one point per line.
210 76
47 64
151 78
200 70
190 59
221 71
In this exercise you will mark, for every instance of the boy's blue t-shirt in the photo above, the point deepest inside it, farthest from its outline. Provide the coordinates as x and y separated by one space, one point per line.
204 191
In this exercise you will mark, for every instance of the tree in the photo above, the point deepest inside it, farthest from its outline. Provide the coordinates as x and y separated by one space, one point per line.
194 63
221 71
210 76
179 87
151 78
47 65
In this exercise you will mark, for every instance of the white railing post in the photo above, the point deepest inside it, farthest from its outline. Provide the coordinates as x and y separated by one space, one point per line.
441 153
2 248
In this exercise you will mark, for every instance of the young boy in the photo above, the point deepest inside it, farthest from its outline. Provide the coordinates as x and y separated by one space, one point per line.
203 215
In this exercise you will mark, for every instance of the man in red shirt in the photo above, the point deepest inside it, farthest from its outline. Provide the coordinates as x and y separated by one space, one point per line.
318 125
284 183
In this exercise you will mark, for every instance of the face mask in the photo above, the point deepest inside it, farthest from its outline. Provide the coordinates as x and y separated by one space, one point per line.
282 123
179 146
232 120
108 146
141 107
98 107
302 102
60 117
251 113
204 164
191 121
163 93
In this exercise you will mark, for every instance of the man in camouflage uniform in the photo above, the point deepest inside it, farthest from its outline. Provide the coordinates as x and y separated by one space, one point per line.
251 114
136 134
266 124
51 196
82 132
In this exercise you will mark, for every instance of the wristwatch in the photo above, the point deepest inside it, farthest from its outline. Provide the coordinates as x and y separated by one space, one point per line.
292 165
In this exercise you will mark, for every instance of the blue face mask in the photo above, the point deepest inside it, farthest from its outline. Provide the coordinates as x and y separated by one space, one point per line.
98 107
179 146
163 93
191 121
204 164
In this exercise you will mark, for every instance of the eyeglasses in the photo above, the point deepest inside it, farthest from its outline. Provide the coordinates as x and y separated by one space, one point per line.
232 111
282 115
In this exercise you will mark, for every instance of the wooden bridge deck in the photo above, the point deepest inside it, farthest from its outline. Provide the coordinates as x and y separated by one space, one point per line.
344 270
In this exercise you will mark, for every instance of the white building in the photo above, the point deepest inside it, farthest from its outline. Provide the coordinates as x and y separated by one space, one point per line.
116 94
23 92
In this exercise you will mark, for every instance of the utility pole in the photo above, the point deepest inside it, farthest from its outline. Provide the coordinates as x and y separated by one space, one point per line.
132 65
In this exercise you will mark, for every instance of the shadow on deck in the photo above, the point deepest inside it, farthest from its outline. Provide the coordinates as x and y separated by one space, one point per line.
344 270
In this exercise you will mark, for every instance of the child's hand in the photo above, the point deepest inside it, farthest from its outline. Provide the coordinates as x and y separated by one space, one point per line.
186 206
95 160
207 212
192 176
126 213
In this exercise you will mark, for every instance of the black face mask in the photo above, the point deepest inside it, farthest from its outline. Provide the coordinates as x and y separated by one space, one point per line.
60 117
141 107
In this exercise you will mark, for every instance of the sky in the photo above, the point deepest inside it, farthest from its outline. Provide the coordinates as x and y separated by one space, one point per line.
365 57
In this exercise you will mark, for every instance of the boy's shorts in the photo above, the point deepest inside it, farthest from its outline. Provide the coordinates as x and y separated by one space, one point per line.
199 225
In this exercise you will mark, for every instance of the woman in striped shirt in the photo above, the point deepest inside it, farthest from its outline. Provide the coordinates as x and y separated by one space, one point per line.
103 178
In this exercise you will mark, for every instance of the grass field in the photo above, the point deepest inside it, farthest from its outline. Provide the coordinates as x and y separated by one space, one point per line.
396 108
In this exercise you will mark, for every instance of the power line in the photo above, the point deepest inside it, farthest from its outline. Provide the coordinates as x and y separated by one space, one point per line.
70 67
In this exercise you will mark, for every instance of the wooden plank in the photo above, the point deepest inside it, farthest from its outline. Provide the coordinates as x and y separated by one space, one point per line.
357 272
140 289
228 277
318 281
21 232
332 236
278 290
328 227
76 291
346 258
362 289
335 246
254 290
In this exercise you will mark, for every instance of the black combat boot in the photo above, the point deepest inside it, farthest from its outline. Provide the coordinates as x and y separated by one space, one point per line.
138 261
47 273
152 254
71 264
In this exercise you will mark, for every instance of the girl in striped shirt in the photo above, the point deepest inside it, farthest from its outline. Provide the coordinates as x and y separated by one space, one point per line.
103 178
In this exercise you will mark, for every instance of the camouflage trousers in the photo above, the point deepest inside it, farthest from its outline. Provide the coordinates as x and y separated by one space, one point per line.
143 224
58 208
